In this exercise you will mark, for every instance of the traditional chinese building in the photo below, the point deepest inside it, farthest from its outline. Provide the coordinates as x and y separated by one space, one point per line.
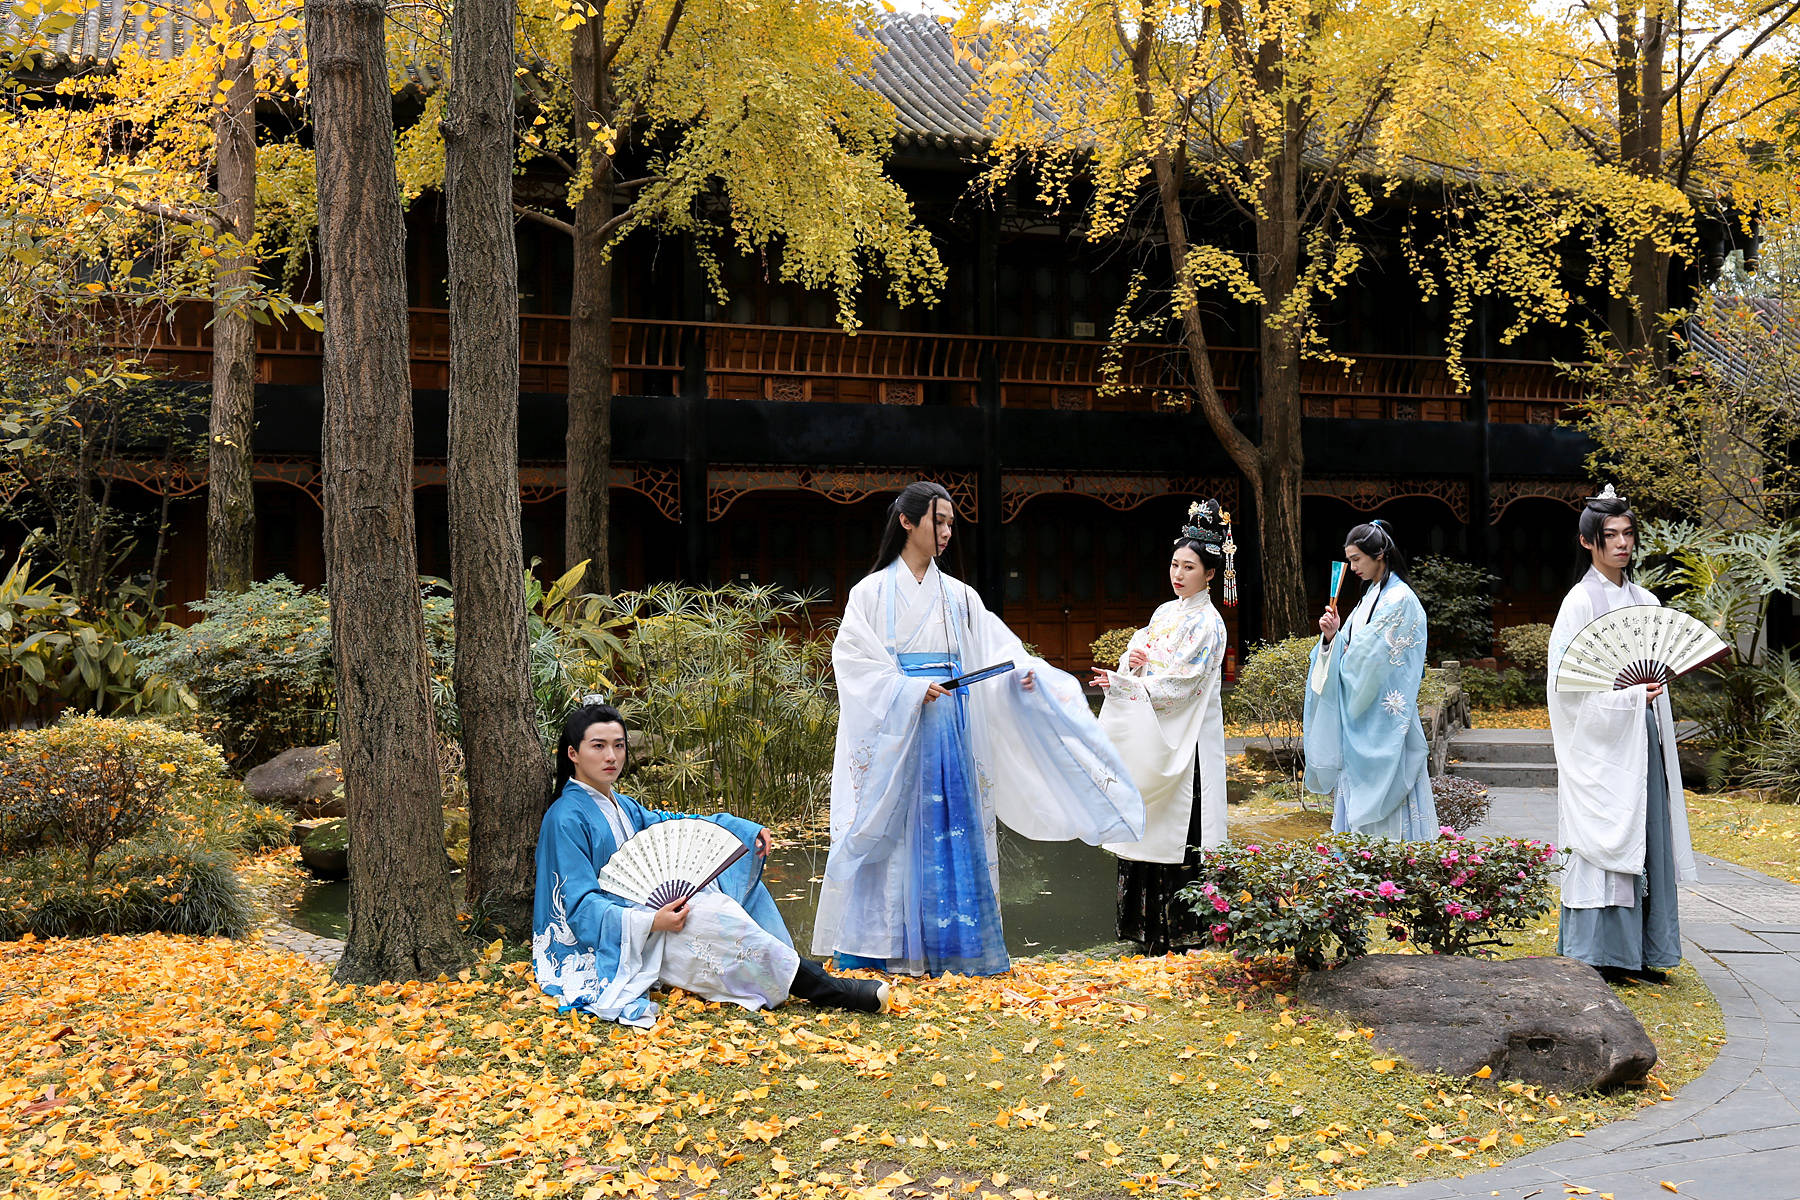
758 442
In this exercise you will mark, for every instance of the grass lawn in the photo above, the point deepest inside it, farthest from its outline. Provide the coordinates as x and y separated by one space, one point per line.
152 1066
1745 828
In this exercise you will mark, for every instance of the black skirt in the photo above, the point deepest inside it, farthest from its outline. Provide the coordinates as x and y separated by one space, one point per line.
1149 913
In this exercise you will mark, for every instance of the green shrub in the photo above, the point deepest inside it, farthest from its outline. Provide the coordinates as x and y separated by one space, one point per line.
1492 690
162 861
1315 900
259 664
1459 605
1110 646
88 783
1528 646
159 886
1270 695
1727 578
53 655
735 689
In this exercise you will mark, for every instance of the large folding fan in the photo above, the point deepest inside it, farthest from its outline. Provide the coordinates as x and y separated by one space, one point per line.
670 861
1640 643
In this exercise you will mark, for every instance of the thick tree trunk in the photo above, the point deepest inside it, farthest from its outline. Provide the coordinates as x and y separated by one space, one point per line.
1278 485
1640 51
507 771
230 500
589 440
402 923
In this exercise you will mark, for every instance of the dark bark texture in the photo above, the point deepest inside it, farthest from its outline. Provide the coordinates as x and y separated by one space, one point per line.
230 499
508 773
402 923
590 326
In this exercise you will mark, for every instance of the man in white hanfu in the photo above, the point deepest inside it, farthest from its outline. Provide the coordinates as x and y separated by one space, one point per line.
1622 814
922 773
600 954
1365 746
1162 711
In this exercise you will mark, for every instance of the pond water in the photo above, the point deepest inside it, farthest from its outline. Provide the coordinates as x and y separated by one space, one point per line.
1054 896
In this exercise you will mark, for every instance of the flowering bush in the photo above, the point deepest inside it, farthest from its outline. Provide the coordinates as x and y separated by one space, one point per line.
1457 895
1452 895
1283 898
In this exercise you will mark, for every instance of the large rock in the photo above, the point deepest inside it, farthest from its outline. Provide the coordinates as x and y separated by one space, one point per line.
1547 1021
304 780
326 850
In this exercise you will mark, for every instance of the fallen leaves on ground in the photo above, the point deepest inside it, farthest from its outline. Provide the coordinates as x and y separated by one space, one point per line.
162 1066
1510 718
1749 828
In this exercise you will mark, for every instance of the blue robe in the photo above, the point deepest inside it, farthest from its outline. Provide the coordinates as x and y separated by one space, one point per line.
1364 743
912 882
588 946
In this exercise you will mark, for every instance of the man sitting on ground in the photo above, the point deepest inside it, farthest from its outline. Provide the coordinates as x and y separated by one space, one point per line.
600 954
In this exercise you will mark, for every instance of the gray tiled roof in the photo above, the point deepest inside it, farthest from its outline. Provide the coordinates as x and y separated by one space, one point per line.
917 71
1737 350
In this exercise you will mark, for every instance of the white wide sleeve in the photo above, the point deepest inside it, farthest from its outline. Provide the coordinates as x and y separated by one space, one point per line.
1040 756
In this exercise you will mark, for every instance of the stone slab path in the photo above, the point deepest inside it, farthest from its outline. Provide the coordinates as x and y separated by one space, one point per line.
1733 1133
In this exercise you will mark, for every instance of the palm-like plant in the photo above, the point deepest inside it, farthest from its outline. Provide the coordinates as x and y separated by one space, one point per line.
1727 578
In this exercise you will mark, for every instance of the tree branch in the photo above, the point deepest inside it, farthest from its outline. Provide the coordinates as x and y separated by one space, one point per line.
532 214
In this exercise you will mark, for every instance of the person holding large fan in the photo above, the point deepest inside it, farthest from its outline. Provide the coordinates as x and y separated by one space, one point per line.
945 724
1622 815
1162 711
599 943
1364 744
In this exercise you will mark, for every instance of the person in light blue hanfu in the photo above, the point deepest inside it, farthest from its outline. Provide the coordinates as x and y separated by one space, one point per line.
600 954
1364 744
922 773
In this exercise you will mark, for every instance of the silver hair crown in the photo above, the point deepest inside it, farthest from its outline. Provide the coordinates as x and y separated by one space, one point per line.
1607 493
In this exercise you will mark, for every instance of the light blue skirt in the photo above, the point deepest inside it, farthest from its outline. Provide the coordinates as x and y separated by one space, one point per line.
953 922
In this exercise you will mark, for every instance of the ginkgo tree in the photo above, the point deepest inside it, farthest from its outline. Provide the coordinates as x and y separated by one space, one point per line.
1287 125
1694 93
741 126
136 184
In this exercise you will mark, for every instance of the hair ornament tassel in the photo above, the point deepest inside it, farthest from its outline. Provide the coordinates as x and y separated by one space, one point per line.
1230 548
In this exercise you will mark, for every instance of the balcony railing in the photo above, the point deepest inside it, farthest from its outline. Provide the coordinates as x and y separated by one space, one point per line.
769 362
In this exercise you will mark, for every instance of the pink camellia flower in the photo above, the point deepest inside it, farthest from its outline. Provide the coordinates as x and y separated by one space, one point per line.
1221 904
1252 849
1474 860
1453 908
1221 932
1446 831
1387 889
1365 854
1459 880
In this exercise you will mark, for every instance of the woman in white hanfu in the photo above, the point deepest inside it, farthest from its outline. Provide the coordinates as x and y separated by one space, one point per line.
1364 743
1162 711
921 772
1622 814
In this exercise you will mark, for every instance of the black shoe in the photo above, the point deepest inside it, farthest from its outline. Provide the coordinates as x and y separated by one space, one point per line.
1651 975
1617 975
815 985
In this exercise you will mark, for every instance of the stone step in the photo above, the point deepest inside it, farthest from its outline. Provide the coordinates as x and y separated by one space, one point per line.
1483 750
1507 775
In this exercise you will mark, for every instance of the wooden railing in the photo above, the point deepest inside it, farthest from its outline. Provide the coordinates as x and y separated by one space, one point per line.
770 362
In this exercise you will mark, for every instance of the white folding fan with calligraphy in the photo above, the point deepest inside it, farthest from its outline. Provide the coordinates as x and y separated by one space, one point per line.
1640 643
670 861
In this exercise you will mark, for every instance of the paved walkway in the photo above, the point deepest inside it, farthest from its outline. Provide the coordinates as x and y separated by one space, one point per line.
1732 1134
